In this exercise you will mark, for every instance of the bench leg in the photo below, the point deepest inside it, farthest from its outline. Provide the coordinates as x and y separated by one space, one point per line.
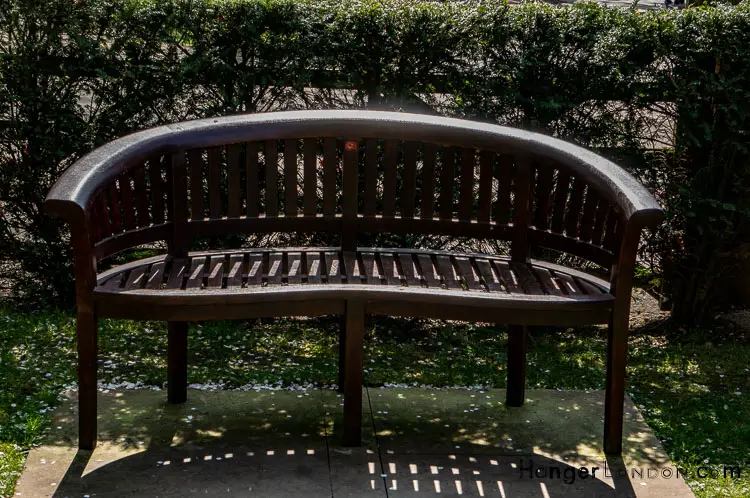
515 394
87 339
342 352
355 328
617 346
177 349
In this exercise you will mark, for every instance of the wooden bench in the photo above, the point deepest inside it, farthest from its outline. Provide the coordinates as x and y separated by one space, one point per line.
354 174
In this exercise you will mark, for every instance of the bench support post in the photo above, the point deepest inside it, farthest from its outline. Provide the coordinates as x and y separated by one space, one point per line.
87 339
177 348
342 352
615 387
355 328
515 393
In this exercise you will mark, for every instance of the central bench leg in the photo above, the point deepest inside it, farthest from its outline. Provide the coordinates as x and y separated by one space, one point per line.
515 393
177 348
355 329
342 352
87 342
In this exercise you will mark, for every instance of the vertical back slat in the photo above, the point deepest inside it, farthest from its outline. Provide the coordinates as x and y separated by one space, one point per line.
601 215
502 206
114 208
371 176
310 151
329 176
126 193
521 210
574 208
486 158
390 178
178 246
447 176
214 182
543 194
197 211
466 197
233 180
105 217
157 190
290 178
141 195
351 177
251 177
271 155
561 197
428 181
409 193
589 213
610 234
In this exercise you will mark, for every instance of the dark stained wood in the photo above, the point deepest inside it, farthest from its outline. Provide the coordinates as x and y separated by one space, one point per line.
310 151
155 276
526 279
114 208
519 249
469 278
104 216
214 182
510 281
254 269
234 207
486 163
409 193
354 329
196 273
573 214
157 190
430 275
543 193
290 177
293 267
502 205
390 270
271 156
332 268
273 273
568 284
215 275
588 288
136 279
447 176
390 179
371 176
408 272
429 155
251 178
447 272
487 275
314 268
610 234
178 246
141 196
177 273
126 195
466 185
197 209
330 166
177 349
589 214
549 284
599 221
234 271
561 198
351 267
369 267
350 195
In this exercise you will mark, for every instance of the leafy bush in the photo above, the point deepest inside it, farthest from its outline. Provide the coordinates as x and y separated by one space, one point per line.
661 92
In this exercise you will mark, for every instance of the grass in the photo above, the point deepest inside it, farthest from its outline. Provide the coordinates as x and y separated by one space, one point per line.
692 388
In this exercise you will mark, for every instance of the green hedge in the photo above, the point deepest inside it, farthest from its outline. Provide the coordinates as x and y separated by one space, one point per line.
662 92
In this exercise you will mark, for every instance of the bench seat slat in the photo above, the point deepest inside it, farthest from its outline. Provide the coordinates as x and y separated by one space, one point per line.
370 269
447 272
430 275
410 275
293 271
215 272
313 268
488 276
333 267
234 272
390 270
468 276
272 274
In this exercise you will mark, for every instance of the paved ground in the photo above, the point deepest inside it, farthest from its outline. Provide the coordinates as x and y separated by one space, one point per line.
418 442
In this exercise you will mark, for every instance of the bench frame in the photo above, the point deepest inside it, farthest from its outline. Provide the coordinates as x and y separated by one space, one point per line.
605 228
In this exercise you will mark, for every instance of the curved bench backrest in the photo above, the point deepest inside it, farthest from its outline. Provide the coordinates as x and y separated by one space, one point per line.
351 172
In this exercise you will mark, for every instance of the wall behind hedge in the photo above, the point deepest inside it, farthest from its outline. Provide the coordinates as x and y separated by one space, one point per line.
662 92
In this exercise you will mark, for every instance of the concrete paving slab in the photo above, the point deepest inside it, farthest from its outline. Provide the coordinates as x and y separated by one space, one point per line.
286 443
